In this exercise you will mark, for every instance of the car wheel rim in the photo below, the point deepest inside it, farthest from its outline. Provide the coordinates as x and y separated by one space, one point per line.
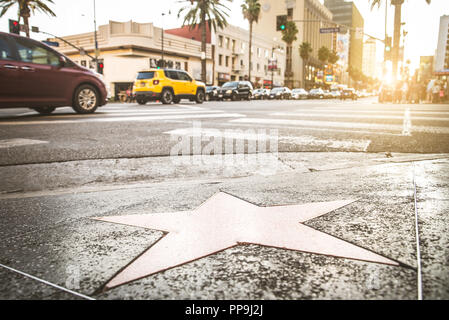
200 97
87 99
167 96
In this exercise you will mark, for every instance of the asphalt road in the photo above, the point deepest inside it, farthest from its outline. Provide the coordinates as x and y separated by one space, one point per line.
59 173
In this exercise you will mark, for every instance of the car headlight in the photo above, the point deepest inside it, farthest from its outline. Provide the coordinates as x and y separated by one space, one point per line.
229 91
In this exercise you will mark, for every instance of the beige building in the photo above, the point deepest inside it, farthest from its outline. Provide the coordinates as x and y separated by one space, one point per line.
369 58
230 47
126 48
307 14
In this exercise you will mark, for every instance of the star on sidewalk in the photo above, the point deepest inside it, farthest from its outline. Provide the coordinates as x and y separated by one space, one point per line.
225 221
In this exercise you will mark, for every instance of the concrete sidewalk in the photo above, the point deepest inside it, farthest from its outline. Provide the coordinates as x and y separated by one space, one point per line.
48 233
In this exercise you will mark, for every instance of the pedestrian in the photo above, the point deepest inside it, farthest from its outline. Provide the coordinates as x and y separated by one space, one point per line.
423 92
404 92
436 92
129 95
397 95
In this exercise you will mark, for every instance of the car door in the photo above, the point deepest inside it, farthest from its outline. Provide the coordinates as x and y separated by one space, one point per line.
189 88
176 83
44 80
10 87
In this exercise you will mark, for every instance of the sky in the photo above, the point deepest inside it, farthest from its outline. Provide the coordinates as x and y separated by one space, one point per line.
421 20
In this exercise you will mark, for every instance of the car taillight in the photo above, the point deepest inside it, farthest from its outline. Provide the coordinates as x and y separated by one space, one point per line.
155 82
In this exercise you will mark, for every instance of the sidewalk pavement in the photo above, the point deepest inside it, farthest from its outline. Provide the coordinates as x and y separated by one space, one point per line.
52 248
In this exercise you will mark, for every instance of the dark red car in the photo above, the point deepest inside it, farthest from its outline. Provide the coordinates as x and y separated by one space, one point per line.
35 76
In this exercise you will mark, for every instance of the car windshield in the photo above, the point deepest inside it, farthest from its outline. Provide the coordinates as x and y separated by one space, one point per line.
276 90
297 90
230 85
145 75
210 89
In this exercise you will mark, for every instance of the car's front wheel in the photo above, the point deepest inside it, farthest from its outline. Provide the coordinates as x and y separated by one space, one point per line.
86 99
45 110
141 101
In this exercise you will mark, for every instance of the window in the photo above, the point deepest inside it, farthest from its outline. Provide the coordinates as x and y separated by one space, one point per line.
220 59
220 41
32 52
145 75
171 74
233 45
184 76
227 61
227 43
5 50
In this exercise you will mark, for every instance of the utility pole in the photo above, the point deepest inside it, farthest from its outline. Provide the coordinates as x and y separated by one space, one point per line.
96 39
162 36
397 35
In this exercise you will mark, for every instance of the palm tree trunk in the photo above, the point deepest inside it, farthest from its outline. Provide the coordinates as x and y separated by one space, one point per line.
203 47
397 35
24 11
250 50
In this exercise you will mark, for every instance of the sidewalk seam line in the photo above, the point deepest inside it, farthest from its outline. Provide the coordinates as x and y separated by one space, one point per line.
47 283
418 251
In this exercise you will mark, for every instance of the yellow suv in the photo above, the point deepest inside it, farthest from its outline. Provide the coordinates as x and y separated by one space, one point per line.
168 86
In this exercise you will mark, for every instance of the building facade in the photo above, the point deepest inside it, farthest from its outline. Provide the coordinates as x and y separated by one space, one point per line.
310 16
347 14
442 54
369 58
125 48
230 47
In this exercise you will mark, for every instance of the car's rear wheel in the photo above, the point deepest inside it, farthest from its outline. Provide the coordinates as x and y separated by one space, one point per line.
45 110
176 100
86 99
234 97
199 98
141 101
167 96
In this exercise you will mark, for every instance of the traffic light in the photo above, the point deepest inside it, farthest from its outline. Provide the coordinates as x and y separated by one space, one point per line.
14 26
281 23
100 66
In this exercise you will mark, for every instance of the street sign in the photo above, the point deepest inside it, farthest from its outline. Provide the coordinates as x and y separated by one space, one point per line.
51 43
329 30
35 29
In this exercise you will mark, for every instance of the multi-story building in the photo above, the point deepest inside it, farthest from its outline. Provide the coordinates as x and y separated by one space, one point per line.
126 48
369 58
230 47
425 72
346 13
442 54
310 16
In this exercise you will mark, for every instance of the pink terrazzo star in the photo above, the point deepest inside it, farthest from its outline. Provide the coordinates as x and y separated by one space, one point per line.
224 221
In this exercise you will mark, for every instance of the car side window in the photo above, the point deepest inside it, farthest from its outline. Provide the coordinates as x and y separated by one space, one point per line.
33 53
184 76
171 74
6 52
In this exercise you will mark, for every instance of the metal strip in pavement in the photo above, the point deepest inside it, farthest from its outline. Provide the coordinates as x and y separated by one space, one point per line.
311 114
125 119
19 142
418 250
373 111
348 125
47 283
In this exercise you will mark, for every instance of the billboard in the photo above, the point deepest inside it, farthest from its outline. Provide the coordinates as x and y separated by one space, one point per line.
343 49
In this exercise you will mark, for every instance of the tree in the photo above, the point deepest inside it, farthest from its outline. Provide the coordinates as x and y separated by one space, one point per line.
305 50
397 29
251 12
203 13
323 54
289 36
333 57
26 7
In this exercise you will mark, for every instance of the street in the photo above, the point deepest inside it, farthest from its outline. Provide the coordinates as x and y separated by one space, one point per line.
61 172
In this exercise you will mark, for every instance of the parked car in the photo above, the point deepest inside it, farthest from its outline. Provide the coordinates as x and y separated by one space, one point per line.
336 94
236 90
316 94
386 93
328 94
212 93
261 94
299 94
168 86
349 93
33 75
281 93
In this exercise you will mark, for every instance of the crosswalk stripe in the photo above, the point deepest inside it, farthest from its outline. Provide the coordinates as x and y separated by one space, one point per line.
353 116
332 124
9 143
130 119
125 114
380 111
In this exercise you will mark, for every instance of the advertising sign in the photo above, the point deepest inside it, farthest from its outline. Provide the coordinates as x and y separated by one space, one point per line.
343 49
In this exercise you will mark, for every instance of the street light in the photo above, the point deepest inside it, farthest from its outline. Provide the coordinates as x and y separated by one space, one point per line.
162 49
96 39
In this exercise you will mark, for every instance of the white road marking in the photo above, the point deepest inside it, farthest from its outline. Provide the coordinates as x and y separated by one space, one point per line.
407 127
303 140
18 142
332 124
125 119
380 111
312 114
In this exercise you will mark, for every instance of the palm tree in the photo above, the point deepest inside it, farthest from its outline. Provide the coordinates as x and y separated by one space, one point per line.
251 12
397 29
289 36
26 7
203 13
333 57
305 50
323 54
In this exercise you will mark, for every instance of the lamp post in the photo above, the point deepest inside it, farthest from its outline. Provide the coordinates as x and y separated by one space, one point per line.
162 37
96 39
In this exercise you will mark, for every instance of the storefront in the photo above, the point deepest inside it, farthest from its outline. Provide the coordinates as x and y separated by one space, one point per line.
223 78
